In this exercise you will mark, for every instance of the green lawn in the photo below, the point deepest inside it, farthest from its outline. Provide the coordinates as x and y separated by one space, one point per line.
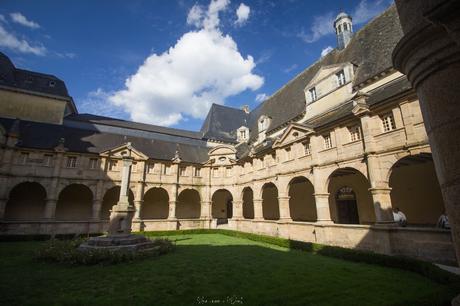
215 268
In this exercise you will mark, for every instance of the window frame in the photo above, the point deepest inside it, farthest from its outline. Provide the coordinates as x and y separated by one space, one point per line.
327 141
93 163
69 164
388 122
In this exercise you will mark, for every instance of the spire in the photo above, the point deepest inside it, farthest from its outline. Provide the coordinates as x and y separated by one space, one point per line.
344 29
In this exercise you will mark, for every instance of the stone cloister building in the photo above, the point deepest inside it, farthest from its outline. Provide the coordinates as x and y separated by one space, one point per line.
325 159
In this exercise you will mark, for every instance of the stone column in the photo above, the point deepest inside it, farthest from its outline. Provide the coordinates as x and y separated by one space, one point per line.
50 208
380 191
122 213
285 213
139 200
96 213
237 210
323 213
172 210
2 208
205 210
258 210
429 54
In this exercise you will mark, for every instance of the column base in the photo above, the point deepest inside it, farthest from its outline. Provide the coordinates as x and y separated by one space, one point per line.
284 220
387 223
324 222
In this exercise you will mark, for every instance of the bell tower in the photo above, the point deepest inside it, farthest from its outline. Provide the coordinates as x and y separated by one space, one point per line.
344 30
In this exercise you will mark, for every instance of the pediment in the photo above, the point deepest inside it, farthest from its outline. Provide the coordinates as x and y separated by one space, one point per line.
324 72
222 150
125 150
293 133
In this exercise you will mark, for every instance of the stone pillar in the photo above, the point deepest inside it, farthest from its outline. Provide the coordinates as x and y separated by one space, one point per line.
429 54
2 208
237 210
122 213
258 210
172 210
205 210
380 191
285 213
96 213
323 213
139 200
50 208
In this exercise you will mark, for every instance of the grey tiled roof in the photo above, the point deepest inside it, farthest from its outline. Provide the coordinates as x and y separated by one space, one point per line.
11 76
47 136
222 121
370 50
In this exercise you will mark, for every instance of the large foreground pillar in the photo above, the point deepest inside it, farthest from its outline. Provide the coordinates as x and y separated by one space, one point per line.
429 54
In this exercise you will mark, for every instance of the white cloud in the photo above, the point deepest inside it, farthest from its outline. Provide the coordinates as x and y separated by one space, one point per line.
203 67
22 20
97 102
261 97
290 68
324 24
326 50
242 14
10 41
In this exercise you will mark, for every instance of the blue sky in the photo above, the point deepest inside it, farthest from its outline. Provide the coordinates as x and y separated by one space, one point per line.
165 62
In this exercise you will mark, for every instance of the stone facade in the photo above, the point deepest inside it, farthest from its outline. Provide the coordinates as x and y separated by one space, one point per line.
334 182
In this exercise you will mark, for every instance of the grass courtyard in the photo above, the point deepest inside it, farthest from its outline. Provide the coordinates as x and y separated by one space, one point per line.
212 269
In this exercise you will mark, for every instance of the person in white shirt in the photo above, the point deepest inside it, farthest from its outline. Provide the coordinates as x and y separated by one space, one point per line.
399 217
443 221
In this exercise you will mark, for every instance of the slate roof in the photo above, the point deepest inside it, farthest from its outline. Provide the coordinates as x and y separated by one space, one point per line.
133 125
222 122
11 76
47 136
370 49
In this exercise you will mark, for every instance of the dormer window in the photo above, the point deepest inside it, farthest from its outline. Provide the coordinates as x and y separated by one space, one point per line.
312 93
264 122
340 78
242 134
52 83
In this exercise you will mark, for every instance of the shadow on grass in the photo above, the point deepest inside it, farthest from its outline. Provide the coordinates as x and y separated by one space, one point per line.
214 269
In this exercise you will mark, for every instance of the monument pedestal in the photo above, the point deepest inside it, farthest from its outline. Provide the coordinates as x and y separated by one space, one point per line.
123 242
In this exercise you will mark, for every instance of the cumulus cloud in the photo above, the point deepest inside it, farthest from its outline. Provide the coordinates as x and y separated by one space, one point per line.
324 24
242 14
22 20
10 41
326 50
261 97
203 67
97 102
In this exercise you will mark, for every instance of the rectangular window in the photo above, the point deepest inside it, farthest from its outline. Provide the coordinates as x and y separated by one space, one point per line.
22 160
327 141
150 167
71 162
113 165
215 172
340 78
183 171
288 154
313 96
48 160
228 171
307 148
166 170
355 133
134 167
197 171
388 122
93 163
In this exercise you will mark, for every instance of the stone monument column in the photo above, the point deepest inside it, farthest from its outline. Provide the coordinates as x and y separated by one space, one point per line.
285 213
122 213
429 54
258 210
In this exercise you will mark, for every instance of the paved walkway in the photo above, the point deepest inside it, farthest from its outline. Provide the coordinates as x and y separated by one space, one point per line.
455 270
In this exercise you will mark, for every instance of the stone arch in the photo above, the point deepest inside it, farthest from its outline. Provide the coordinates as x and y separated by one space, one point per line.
26 201
111 197
342 183
302 200
270 203
222 204
156 204
415 189
75 202
188 204
248 203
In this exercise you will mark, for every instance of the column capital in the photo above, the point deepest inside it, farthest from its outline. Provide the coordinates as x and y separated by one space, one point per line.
321 195
284 198
380 190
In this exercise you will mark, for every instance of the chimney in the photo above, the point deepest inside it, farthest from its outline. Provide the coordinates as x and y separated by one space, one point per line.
245 108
